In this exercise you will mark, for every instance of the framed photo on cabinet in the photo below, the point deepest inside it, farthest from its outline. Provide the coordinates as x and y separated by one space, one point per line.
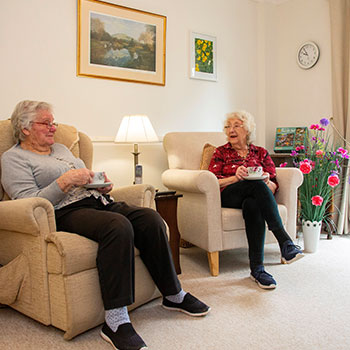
203 56
121 43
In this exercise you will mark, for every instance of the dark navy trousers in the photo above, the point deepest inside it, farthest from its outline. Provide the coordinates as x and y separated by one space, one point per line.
118 228
259 208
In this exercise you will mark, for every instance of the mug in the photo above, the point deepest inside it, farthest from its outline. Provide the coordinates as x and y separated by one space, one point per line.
99 177
255 171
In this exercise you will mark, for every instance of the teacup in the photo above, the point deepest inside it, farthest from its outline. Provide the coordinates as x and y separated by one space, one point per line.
99 177
255 171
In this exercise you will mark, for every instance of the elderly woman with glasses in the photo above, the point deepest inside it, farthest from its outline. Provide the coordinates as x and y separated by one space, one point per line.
37 166
230 164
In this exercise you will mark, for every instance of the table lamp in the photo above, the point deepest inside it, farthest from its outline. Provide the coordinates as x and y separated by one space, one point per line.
136 129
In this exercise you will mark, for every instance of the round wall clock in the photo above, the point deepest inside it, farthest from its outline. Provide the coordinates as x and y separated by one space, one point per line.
308 55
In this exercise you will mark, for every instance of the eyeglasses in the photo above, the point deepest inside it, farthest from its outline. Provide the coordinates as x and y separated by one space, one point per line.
47 124
234 127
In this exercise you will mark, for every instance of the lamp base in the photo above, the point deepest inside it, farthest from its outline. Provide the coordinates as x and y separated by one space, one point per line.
138 174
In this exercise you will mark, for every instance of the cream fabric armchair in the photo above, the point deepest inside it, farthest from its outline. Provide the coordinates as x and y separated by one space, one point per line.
51 276
201 219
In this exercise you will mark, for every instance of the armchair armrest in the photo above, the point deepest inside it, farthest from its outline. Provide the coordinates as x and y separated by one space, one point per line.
196 181
289 180
140 195
200 208
78 253
33 216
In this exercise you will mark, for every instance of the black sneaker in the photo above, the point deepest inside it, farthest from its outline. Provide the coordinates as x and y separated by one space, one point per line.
125 338
262 278
290 252
190 306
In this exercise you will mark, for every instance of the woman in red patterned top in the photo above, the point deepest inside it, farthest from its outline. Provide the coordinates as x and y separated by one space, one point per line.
256 198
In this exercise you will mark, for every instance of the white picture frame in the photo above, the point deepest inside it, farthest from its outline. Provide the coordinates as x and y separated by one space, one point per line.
203 56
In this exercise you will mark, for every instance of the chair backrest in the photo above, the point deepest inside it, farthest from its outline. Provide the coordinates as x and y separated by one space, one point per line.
78 142
184 149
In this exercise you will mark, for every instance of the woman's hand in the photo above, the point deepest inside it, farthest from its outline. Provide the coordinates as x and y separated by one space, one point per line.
106 189
241 172
74 177
271 185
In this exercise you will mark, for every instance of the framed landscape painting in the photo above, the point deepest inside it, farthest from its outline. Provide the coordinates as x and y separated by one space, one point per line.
203 56
116 42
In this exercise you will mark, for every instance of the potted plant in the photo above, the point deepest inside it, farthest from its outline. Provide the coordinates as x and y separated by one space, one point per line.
320 161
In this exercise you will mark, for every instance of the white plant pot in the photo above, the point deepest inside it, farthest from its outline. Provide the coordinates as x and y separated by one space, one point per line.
311 234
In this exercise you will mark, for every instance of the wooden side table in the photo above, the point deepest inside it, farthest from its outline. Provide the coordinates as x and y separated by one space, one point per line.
279 158
166 204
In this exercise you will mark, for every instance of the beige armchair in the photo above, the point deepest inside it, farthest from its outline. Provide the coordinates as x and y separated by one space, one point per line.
51 276
201 219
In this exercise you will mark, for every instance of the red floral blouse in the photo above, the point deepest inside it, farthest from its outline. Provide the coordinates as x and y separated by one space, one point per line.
226 160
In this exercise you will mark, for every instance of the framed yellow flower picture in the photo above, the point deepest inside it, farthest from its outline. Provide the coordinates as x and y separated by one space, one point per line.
203 56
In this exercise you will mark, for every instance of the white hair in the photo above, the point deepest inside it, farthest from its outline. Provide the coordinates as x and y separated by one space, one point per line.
24 113
248 123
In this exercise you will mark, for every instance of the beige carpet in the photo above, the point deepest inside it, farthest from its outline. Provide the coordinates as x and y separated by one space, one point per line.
310 309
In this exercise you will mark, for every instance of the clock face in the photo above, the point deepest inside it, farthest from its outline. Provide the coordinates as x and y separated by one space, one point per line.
308 55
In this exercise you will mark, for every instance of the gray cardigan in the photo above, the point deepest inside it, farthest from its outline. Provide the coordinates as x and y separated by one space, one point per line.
28 174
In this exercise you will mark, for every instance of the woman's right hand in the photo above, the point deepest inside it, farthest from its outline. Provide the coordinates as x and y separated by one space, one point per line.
74 177
241 172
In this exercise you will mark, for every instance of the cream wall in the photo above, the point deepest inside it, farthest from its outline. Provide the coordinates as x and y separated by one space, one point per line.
38 60
257 71
296 97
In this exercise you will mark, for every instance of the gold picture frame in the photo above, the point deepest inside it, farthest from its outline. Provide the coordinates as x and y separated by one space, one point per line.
120 43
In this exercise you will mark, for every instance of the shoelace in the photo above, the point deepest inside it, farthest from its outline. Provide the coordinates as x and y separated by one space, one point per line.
261 272
293 246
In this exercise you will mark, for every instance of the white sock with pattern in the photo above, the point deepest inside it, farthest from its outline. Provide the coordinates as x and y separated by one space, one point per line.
115 317
177 298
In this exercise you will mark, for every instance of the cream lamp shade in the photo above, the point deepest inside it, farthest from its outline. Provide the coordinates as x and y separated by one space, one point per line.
136 129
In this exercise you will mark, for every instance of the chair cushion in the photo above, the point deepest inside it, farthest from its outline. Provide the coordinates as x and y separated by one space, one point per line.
232 219
68 135
208 151
70 253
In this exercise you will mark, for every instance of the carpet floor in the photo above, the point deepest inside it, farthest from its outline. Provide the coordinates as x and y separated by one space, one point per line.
309 309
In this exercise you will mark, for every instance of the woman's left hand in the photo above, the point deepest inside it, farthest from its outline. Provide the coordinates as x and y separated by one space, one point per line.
106 189
267 180
271 185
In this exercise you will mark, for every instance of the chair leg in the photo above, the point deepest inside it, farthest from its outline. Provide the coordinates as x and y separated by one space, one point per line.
213 258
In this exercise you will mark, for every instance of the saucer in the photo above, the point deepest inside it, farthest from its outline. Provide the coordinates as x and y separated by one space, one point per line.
255 177
92 185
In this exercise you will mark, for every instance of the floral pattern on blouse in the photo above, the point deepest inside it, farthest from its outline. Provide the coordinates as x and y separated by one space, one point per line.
226 160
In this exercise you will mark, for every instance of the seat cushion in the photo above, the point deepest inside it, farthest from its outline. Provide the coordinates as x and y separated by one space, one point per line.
232 219
69 253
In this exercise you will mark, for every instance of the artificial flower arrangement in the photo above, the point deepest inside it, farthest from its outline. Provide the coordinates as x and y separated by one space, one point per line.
320 161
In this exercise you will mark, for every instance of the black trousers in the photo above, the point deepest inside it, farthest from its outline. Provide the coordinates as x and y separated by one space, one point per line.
259 207
117 228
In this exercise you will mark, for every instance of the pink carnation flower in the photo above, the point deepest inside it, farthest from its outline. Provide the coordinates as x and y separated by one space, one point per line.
319 153
317 200
305 167
282 165
342 150
333 180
